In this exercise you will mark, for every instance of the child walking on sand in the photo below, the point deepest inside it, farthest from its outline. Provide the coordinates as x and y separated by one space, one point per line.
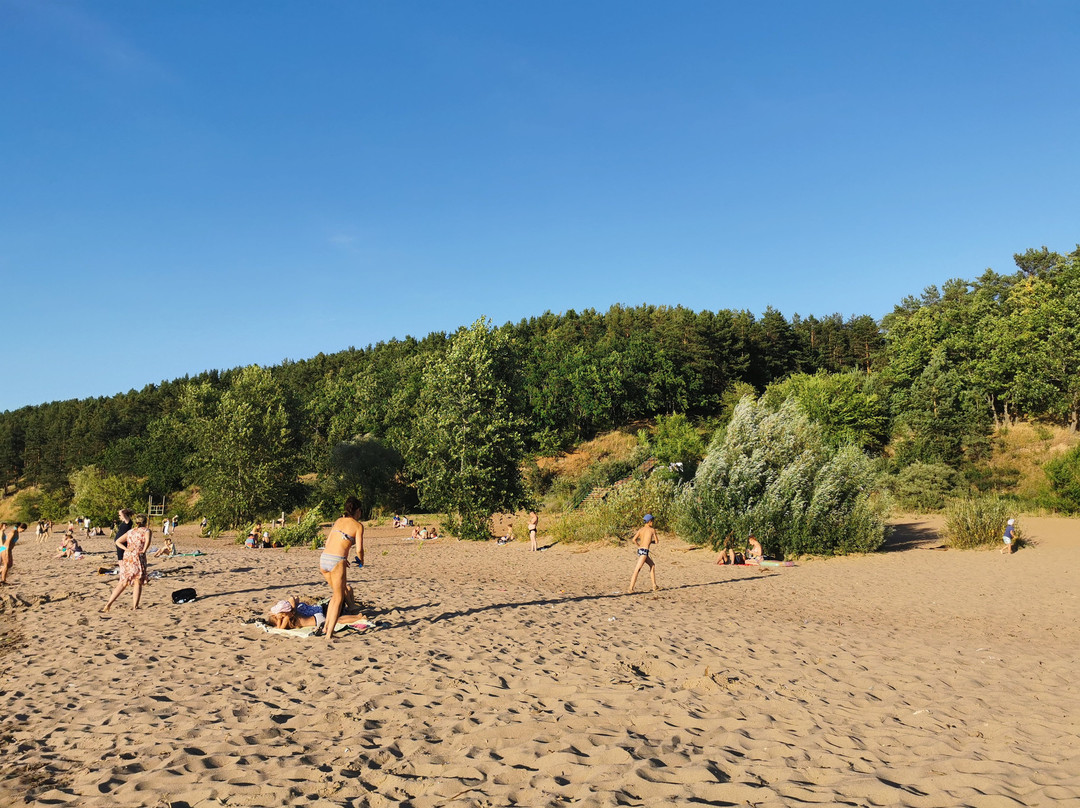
644 539
1010 534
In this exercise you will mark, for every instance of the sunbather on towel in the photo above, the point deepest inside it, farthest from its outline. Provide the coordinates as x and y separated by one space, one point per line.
293 614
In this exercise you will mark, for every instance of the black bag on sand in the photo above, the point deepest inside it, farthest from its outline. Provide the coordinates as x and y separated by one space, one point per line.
183 595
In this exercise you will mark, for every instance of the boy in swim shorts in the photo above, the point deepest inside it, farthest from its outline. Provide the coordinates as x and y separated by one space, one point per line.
644 540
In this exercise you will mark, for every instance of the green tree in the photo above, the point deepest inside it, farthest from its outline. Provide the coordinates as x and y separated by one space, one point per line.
99 496
243 458
364 466
675 441
468 443
851 407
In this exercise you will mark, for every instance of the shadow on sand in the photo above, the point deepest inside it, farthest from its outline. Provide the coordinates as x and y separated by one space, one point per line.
912 536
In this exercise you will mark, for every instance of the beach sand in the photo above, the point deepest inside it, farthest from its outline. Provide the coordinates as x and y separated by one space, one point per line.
916 676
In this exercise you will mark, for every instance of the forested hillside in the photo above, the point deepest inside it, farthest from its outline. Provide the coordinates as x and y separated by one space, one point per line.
930 380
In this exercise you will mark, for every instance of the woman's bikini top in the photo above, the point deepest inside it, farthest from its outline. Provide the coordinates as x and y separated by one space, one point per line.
350 539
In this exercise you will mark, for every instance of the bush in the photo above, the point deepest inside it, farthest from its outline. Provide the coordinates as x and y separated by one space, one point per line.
924 486
977 522
307 532
569 493
619 515
774 473
32 505
1064 476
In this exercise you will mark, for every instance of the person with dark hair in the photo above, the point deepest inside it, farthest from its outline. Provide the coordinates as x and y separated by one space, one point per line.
133 565
346 534
122 527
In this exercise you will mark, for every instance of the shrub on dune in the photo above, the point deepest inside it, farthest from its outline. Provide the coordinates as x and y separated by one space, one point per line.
772 471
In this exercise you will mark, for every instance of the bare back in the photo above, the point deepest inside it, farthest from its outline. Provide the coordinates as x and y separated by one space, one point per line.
646 537
344 535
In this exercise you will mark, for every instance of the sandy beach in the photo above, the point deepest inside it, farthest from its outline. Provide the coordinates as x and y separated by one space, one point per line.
917 676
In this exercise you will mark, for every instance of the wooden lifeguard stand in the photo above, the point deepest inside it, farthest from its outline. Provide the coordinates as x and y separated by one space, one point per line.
153 509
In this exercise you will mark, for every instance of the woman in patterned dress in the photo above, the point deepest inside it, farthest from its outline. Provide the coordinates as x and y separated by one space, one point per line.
133 564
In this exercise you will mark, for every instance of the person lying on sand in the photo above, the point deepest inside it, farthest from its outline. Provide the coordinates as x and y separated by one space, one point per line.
644 539
292 613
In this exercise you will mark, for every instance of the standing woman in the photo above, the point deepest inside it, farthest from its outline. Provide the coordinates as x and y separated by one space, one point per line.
346 534
133 565
8 540
122 527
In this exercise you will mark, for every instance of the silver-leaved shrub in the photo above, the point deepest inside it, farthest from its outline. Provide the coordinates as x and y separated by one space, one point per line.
772 471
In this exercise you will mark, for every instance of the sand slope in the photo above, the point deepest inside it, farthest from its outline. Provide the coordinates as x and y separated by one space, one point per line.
913 677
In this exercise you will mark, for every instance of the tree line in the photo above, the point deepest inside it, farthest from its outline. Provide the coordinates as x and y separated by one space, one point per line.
931 378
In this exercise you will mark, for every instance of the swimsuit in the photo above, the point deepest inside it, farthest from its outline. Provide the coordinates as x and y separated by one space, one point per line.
643 551
309 610
350 539
327 561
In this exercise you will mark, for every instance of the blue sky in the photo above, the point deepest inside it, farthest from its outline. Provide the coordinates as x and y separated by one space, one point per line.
204 184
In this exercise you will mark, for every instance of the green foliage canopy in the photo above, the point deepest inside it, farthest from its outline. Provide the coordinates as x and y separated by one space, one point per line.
243 458
468 442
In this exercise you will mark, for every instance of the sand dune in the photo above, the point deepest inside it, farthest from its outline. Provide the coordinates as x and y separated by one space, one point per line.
913 677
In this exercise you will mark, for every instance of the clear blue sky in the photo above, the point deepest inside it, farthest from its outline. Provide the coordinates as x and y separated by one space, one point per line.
205 184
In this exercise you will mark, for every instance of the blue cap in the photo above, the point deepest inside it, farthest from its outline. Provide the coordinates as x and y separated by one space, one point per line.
648 517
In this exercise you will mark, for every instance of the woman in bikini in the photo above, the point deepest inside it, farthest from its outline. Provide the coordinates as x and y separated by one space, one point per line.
9 537
346 534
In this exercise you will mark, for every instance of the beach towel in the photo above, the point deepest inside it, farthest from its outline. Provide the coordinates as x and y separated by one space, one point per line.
358 627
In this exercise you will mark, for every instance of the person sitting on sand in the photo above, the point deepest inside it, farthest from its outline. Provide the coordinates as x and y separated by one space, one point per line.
70 548
415 534
509 537
167 549
291 613
1010 535
433 533
644 540
727 550
346 534
133 565
753 548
